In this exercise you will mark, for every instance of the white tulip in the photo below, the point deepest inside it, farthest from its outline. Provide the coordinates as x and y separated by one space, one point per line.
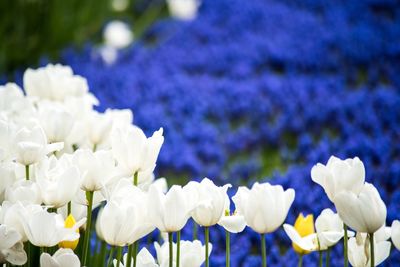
191 253
125 219
134 152
306 243
396 234
54 82
169 212
7 133
143 259
32 147
264 207
359 248
8 177
364 212
117 34
233 223
64 257
183 9
210 201
24 191
98 128
45 229
339 175
96 168
329 229
56 121
13 103
58 181
11 247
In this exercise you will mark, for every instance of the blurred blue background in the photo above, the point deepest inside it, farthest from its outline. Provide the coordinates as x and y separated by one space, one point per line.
261 90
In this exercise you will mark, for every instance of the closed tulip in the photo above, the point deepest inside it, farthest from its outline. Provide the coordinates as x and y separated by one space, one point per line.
339 175
143 259
264 207
364 212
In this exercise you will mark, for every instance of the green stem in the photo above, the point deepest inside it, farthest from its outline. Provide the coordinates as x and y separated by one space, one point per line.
94 147
228 248
110 258
171 254
194 230
135 251
263 251
178 247
69 208
345 240
135 179
89 198
130 251
320 258
206 238
28 252
27 172
328 255
300 264
119 256
102 258
371 241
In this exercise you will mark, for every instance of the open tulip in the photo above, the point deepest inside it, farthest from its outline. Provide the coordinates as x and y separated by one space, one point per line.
396 234
364 212
69 223
45 229
58 181
8 177
62 258
302 234
360 248
24 191
134 153
11 247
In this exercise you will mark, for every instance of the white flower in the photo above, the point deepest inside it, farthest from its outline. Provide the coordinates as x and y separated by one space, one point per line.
54 82
364 212
233 223
329 228
117 34
32 147
7 134
264 207
124 219
210 201
339 175
64 257
11 247
98 128
134 152
191 253
8 177
13 103
143 259
183 9
45 229
24 191
56 121
95 167
169 212
58 181
396 234
359 248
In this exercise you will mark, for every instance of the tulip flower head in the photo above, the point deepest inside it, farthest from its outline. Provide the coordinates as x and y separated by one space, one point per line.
11 247
143 259
339 175
302 234
264 206
364 212
233 223
62 258
69 223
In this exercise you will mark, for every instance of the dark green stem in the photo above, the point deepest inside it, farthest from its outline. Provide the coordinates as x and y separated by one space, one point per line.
135 179
320 258
110 258
178 248
228 248
300 264
27 172
371 244
130 251
102 258
328 255
135 251
69 208
263 251
171 254
89 198
194 230
206 238
345 240
119 256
